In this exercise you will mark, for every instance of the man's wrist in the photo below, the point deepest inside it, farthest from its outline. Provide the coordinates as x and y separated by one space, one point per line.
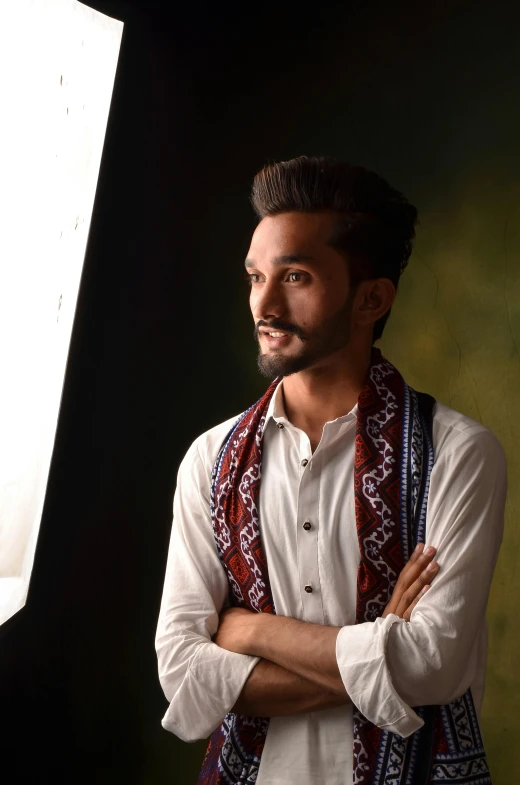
306 649
263 637
258 633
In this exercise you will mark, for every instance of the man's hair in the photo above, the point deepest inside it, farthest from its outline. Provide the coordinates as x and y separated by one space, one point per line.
376 223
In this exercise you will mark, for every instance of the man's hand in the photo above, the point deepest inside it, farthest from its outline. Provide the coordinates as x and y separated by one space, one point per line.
413 582
234 629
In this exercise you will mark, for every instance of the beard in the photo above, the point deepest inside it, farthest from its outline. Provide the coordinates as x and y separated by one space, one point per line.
330 336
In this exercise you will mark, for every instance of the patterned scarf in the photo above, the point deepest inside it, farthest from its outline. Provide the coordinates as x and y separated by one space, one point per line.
393 462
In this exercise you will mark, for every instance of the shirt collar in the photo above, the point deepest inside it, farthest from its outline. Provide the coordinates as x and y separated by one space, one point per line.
276 410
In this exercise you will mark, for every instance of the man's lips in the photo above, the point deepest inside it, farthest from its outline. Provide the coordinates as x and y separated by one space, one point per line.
275 338
274 333
277 330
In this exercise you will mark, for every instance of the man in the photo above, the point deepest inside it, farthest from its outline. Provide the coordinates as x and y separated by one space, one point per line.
337 679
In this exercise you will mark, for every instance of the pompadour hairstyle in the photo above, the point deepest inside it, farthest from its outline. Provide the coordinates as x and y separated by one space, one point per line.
376 223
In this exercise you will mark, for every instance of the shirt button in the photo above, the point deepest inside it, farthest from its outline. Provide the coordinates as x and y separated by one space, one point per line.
305 462
307 525
279 425
308 589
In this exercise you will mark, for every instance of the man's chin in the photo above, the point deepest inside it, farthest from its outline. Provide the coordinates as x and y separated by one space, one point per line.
273 365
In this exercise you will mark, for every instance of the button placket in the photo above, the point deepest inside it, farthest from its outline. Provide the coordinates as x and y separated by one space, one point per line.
307 539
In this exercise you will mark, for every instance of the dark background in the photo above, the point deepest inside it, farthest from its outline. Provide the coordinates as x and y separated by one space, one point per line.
205 94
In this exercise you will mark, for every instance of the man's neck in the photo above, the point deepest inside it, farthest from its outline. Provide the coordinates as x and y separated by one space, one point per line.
325 391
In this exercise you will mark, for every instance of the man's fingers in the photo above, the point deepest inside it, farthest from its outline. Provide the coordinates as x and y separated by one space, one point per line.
408 611
417 553
418 561
419 548
411 579
410 596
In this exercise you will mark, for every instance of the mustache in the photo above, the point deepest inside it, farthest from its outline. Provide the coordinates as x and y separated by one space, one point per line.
278 324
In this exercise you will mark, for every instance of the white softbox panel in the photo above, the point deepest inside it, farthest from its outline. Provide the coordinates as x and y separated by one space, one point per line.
58 61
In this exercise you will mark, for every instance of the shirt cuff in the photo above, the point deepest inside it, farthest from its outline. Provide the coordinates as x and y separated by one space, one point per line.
213 682
360 654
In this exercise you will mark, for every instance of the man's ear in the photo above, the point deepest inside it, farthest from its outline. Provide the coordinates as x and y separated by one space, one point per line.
374 298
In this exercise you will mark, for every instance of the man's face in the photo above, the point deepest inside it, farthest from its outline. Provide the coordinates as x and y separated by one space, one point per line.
300 296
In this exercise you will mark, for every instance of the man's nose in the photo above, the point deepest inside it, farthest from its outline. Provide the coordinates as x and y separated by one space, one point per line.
268 303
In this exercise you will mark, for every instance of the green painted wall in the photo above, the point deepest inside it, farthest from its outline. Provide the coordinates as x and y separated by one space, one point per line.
455 332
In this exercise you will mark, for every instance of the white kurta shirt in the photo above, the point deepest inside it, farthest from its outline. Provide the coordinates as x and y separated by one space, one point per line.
387 666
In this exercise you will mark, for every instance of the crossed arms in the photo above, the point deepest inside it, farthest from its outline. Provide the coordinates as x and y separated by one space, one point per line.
298 671
211 662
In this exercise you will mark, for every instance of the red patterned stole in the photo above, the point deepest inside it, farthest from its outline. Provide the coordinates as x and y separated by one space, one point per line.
377 487
394 457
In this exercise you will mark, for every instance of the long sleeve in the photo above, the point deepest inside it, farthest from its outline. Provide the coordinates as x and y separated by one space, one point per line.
201 680
390 666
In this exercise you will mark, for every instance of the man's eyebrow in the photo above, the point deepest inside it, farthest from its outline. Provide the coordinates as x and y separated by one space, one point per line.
280 261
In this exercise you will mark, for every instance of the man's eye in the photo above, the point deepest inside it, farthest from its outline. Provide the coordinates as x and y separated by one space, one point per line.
295 277
252 277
